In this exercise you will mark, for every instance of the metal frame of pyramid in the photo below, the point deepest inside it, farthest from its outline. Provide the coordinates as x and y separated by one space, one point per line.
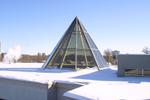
75 50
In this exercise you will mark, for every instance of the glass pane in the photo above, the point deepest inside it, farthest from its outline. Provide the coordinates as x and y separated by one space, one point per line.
99 58
85 44
79 42
90 59
90 41
56 60
69 58
76 28
65 42
72 42
81 62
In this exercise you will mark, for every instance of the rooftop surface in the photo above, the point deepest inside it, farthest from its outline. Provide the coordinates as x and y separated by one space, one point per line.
103 84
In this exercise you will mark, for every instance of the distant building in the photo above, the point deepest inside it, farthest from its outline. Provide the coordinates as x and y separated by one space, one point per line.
115 54
134 65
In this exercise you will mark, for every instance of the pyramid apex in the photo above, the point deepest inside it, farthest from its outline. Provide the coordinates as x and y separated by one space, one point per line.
76 18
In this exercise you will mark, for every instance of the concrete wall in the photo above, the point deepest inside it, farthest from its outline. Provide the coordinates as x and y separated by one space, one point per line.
132 62
11 89
64 87
52 91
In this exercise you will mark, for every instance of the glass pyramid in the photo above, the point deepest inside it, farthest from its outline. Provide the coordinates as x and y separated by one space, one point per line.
75 50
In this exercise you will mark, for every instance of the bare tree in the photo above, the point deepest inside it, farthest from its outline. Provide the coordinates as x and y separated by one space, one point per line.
146 50
108 56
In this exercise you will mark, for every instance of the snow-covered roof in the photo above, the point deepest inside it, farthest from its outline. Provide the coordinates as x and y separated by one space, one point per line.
97 84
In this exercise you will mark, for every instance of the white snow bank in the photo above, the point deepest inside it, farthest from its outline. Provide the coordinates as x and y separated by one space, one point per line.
21 65
35 72
111 92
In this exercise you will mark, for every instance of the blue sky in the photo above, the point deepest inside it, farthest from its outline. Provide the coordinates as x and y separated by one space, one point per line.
37 25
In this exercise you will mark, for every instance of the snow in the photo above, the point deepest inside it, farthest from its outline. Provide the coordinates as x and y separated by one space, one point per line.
103 84
35 72
111 92
21 65
106 85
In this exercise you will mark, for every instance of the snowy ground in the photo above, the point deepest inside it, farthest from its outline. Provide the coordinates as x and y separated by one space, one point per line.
35 72
103 84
